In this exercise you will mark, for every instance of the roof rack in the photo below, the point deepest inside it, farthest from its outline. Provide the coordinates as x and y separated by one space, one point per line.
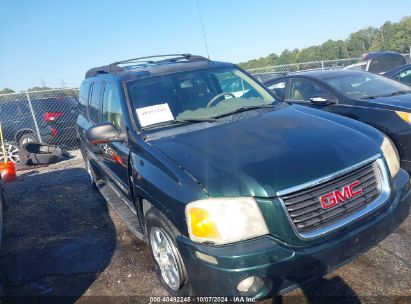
148 60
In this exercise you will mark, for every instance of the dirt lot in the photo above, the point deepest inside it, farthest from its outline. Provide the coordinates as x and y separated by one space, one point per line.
61 239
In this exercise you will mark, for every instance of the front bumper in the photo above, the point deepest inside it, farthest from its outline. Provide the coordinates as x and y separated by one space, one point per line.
282 268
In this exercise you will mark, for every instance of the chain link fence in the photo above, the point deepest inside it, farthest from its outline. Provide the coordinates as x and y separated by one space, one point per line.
50 116
266 73
47 116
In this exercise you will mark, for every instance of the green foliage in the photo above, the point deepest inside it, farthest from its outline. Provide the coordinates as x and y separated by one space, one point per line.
390 36
6 91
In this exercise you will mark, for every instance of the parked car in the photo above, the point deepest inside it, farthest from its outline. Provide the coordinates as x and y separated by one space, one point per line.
378 62
372 99
56 121
235 195
401 74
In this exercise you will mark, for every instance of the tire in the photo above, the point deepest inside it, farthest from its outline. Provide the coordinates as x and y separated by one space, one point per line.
26 138
157 225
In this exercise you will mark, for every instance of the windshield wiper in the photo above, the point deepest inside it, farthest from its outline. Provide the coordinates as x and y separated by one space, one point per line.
402 92
179 121
246 108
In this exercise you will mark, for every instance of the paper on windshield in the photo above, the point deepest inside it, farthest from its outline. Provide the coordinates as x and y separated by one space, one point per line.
154 114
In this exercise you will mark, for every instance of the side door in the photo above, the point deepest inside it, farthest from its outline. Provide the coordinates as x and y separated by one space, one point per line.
305 92
115 155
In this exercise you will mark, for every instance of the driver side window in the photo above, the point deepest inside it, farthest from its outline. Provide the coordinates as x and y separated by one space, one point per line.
112 111
304 89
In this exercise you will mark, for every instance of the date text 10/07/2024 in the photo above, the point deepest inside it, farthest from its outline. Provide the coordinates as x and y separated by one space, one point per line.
202 300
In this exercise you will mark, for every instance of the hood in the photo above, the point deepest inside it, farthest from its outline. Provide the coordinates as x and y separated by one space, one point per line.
398 102
264 154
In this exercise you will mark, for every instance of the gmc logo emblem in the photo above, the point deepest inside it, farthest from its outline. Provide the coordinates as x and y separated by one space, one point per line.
334 198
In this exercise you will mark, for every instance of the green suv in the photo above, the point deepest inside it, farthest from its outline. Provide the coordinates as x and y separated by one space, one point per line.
236 193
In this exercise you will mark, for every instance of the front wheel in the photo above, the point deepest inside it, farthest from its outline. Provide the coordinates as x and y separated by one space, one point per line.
164 253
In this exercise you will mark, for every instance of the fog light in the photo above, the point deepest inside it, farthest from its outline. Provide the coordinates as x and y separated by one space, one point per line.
245 285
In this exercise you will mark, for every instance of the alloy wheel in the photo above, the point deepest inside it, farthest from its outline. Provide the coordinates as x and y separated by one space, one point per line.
12 152
165 254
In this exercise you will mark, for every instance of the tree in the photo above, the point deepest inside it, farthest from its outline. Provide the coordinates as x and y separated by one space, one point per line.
390 36
6 91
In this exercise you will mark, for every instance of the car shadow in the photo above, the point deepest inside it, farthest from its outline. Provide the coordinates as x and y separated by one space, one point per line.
320 290
58 236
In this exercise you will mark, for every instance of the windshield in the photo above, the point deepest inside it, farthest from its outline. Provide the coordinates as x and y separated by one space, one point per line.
365 85
195 95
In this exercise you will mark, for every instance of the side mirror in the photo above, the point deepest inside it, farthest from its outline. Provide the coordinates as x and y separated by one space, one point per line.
321 100
103 133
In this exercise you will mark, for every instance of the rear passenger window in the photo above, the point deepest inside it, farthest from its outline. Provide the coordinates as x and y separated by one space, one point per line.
94 102
83 97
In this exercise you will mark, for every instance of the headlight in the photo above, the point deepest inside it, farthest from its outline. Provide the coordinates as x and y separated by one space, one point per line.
404 116
391 156
224 220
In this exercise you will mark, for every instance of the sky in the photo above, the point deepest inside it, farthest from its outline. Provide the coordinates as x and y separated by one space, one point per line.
53 43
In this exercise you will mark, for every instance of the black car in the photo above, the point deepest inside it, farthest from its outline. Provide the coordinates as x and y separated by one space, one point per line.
55 123
401 74
235 193
378 62
373 99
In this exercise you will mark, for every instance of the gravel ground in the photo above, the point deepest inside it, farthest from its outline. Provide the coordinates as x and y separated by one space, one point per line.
61 239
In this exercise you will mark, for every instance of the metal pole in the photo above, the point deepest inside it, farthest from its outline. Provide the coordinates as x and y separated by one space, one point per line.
34 117
322 64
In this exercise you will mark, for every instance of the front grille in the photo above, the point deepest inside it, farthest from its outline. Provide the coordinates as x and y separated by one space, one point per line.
305 208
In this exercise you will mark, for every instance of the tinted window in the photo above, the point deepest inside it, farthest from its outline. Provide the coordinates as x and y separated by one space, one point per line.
83 97
112 111
385 63
94 102
304 89
404 77
278 88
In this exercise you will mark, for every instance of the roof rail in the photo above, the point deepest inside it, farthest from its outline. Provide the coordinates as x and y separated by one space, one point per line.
116 68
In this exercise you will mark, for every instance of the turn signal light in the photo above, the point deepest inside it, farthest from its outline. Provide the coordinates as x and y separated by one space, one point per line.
201 224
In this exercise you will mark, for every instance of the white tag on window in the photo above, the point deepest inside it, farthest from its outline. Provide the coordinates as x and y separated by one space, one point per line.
154 114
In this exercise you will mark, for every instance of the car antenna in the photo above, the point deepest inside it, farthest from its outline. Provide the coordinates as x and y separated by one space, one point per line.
202 25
